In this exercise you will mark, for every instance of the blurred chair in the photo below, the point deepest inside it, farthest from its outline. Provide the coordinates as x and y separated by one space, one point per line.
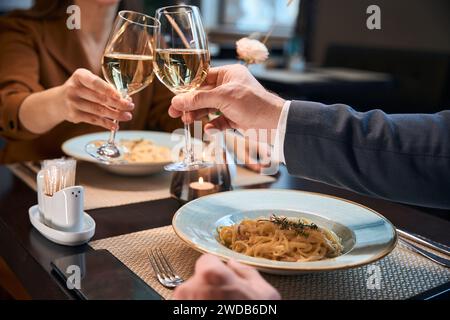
422 79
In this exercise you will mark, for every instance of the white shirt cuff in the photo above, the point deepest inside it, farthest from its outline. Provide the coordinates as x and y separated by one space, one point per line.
278 146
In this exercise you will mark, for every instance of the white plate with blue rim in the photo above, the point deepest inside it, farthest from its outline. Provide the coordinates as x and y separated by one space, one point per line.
75 148
366 235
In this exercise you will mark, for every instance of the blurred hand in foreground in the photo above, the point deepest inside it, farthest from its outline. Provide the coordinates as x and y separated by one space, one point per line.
215 280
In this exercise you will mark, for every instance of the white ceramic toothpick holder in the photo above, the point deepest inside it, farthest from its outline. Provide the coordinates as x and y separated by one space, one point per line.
64 210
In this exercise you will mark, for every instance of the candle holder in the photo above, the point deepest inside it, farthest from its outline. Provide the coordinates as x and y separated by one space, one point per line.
190 185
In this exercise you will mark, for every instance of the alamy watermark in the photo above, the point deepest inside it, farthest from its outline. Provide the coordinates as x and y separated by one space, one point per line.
73 22
373 281
374 20
247 147
73 277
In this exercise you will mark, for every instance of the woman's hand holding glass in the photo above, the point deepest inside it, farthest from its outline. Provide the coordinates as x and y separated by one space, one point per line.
87 98
83 98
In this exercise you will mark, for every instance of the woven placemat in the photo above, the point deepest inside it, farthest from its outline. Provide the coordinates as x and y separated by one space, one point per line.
403 274
104 189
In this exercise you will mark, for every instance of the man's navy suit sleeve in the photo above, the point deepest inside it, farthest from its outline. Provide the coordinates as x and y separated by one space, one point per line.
400 157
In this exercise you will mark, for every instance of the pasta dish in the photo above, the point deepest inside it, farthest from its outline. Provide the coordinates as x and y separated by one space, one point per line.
144 151
281 239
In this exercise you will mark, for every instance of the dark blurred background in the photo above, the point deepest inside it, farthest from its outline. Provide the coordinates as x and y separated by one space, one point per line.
406 63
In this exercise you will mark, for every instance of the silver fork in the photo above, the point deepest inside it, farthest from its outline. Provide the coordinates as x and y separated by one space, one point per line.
163 270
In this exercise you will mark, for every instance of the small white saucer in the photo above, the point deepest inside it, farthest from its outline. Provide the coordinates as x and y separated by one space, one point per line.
63 237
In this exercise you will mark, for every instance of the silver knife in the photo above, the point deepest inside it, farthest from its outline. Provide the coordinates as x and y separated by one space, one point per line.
428 244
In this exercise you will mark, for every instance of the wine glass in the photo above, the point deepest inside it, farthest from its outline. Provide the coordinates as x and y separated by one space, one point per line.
182 63
127 64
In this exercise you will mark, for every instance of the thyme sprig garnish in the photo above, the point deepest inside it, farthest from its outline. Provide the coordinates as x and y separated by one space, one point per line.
298 226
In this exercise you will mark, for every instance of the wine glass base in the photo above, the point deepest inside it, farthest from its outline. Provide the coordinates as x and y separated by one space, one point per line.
105 152
193 166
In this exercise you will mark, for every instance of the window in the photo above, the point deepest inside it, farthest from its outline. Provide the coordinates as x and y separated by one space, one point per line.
6 6
259 15
246 16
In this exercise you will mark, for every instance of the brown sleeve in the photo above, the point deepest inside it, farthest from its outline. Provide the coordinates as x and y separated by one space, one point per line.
19 76
158 117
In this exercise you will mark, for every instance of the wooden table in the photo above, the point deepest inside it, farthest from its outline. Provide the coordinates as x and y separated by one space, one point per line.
29 254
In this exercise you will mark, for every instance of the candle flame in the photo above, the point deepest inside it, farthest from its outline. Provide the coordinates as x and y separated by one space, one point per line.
200 180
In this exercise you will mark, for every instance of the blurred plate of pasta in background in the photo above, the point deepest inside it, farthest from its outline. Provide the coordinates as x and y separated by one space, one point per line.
285 232
147 151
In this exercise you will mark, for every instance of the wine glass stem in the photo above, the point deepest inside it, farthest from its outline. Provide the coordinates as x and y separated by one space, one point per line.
112 134
188 152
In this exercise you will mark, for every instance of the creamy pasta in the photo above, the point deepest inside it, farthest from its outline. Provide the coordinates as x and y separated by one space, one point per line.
281 239
145 151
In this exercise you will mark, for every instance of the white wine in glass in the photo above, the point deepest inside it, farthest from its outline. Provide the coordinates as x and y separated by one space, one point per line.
182 70
128 72
182 63
128 65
